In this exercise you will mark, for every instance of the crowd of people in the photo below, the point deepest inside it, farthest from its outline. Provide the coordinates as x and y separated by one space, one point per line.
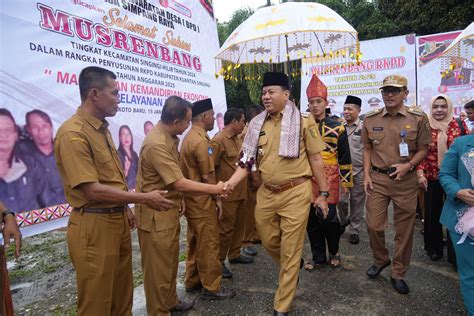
271 175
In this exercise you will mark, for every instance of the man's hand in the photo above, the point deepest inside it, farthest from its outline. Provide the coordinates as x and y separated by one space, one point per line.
132 221
156 200
322 203
466 195
368 186
11 230
401 170
423 183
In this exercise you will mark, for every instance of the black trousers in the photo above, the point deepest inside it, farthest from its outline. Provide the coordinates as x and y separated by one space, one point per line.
434 200
322 232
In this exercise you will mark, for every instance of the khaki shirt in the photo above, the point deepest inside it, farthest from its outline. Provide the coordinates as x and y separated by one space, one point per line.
382 132
158 167
197 159
280 170
85 153
354 133
226 155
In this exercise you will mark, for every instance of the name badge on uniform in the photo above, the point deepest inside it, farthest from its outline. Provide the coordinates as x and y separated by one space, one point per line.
209 151
403 146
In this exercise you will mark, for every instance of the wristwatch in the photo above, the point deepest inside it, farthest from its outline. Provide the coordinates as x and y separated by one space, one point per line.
324 193
7 212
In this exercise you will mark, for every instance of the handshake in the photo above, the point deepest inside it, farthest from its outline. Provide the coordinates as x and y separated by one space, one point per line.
223 189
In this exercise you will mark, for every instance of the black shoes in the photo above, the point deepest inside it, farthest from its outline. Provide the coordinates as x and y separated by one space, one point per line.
222 294
182 306
242 259
226 273
373 271
400 286
276 313
250 251
354 239
195 288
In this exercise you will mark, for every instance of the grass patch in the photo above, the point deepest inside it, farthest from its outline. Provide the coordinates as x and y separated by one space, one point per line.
182 256
19 273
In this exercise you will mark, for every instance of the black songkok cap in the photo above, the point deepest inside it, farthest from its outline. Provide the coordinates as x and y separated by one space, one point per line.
276 79
353 100
201 106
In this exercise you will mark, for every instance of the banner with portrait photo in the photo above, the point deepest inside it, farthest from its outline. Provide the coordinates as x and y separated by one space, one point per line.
441 73
380 58
157 48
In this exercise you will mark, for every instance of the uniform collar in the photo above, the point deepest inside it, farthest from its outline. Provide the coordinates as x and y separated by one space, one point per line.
93 121
227 134
356 122
168 137
402 111
200 130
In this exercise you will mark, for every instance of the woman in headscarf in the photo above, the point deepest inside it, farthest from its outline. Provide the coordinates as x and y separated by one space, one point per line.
444 129
457 178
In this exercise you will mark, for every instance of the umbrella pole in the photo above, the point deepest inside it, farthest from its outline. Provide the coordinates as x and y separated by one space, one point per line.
288 62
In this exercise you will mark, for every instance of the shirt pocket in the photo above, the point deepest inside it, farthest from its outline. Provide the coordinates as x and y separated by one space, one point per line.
376 138
261 147
410 139
356 141
105 163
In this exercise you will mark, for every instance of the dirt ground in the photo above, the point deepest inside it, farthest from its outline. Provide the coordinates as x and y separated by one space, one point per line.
43 283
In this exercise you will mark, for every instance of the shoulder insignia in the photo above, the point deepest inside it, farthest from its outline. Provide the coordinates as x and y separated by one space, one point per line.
305 114
415 110
372 113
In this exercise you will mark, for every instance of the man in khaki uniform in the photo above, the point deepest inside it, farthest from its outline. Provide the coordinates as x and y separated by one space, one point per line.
232 219
158 232
98 231
203 268
351 204
395 140
286 147
250 231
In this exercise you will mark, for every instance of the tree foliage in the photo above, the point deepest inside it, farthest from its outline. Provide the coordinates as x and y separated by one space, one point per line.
372 19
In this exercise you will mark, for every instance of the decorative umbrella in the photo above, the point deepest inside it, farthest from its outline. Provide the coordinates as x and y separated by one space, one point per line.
289 31
458 57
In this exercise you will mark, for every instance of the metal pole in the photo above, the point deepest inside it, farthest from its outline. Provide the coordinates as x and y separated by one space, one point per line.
288 56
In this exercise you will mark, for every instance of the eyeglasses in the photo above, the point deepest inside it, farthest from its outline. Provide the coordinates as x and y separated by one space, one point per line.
393 91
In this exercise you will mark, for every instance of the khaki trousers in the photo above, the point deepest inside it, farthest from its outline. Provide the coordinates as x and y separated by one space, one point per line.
231 229
250 233
101 252
281 220
202 261
351 207
160 257
403 194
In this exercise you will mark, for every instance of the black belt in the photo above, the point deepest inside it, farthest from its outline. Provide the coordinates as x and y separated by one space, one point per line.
385 171
103 210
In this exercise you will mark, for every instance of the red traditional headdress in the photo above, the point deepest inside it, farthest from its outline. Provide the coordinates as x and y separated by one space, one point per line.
316 88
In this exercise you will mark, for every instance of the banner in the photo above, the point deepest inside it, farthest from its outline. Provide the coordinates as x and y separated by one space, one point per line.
156 48
438 73
380 58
